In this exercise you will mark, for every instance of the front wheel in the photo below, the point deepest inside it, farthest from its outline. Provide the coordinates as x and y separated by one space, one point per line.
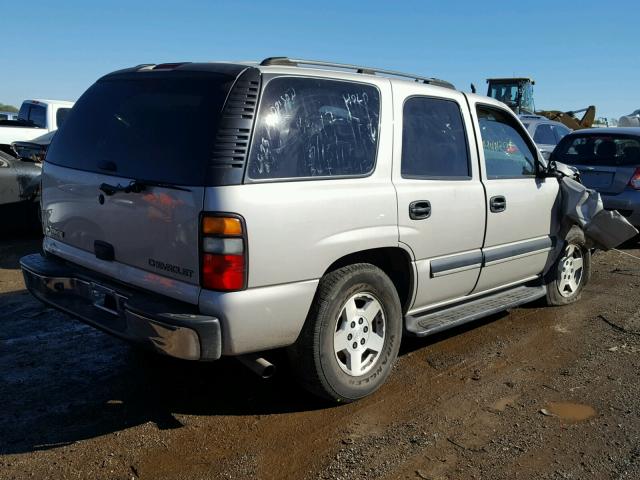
352 335
571 271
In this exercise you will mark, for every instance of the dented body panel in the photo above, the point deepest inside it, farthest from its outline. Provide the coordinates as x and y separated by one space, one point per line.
19 180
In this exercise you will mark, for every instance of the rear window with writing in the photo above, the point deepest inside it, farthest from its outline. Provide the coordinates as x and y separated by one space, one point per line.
315 128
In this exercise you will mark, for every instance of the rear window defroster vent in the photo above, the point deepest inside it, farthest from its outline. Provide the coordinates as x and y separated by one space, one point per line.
231 145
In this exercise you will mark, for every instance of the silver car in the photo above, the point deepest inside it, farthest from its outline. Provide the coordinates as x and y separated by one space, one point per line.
546 133
210 209
631 120
609 161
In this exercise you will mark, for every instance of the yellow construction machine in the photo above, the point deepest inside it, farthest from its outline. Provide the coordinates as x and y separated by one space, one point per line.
518 94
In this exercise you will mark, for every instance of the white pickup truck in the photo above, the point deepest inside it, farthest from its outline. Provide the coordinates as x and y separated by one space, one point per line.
36 117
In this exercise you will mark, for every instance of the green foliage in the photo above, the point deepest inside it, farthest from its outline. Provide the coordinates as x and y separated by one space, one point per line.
7 108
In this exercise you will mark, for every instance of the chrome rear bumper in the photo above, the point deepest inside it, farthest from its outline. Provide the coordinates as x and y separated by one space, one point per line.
174 328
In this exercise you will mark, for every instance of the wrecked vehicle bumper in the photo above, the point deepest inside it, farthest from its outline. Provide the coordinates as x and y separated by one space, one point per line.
174 328
606 228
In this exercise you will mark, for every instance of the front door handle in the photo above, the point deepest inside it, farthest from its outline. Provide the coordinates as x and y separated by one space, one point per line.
419 210
498 204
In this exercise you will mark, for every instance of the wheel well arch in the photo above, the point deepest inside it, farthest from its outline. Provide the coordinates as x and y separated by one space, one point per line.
394 261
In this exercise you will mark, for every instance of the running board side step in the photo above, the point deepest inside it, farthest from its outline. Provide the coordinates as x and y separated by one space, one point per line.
449 317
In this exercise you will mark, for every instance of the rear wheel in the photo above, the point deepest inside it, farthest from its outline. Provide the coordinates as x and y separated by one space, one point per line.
571 272
352 335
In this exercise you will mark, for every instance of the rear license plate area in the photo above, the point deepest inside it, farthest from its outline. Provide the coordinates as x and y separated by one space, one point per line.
596 180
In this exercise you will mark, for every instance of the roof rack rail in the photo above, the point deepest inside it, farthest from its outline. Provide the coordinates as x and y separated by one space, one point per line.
294 62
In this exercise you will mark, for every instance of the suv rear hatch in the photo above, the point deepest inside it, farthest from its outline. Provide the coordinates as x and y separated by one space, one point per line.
606 161
124 177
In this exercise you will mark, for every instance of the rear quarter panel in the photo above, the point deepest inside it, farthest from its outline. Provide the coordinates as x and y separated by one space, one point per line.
296 230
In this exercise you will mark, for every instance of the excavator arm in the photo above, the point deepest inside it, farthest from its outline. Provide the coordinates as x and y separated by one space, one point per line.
517 93
570 119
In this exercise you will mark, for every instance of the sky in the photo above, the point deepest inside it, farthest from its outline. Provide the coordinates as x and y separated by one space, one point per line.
579 53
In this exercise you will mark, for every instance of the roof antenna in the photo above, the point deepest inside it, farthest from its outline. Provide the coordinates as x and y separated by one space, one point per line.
473 88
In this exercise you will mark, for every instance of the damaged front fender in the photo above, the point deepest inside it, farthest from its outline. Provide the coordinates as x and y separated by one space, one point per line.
605 229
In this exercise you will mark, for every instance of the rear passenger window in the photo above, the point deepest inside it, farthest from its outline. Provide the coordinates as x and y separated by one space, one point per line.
315 128
434 143
34 114
561 132
544 135
506 153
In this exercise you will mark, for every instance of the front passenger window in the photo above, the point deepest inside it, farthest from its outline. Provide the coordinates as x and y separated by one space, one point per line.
506 153
561 132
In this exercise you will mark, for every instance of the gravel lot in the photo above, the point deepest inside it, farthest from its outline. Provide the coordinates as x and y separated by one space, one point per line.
534 393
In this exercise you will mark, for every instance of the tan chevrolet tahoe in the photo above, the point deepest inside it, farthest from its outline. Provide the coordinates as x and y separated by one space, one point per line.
209 209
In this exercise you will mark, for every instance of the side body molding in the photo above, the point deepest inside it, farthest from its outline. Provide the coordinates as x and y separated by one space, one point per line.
491 256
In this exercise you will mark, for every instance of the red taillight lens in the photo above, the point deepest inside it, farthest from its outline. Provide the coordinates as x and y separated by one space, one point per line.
223 272
223 253
635 180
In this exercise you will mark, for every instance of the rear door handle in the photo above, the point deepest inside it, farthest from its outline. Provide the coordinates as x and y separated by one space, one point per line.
419 210
498 204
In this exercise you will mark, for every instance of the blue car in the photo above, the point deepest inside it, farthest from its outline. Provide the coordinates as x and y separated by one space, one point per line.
609 161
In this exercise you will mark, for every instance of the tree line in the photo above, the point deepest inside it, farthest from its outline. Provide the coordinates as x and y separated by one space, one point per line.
7 108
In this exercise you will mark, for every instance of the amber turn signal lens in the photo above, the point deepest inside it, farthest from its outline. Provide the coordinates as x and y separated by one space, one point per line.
221 226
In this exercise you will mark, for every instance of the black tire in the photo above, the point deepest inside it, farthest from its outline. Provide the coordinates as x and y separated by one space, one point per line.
313 359
558 291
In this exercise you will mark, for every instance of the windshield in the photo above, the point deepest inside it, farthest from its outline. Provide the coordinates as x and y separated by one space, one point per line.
159 127
504 92
517 95
603 150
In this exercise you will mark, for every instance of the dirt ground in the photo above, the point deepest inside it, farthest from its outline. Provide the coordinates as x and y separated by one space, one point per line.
535 393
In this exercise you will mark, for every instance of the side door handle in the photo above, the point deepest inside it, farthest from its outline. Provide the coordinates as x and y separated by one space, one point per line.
498 204
419 210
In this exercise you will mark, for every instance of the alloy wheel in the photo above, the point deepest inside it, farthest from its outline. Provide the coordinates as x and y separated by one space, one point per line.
570 270
360 333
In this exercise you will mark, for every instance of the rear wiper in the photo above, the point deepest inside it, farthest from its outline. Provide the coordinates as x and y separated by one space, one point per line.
137 186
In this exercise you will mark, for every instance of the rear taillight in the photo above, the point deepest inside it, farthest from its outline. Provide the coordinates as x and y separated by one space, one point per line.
635 179
223 253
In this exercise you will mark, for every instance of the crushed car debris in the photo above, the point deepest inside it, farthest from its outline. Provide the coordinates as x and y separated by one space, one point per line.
605 228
